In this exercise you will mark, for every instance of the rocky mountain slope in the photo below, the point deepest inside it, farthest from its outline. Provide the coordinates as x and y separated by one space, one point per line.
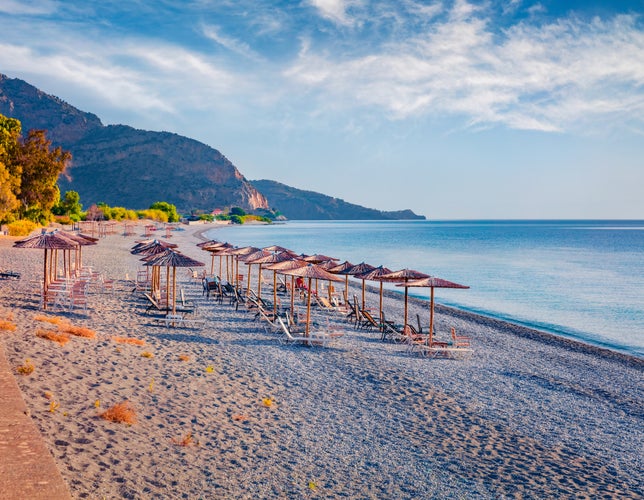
307 205
123 166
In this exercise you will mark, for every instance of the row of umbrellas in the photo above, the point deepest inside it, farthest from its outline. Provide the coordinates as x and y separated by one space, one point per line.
321 267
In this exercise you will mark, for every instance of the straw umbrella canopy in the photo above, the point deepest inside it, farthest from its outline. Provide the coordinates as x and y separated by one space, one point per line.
359 269
288 265
47 241
311 271
375 275
82 240
271 258
249 261
318 258
209 242
215 248
404 276
337 269
279 249
235 254
432 282
155 247
173 259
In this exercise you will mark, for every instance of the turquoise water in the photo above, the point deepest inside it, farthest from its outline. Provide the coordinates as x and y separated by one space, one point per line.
580 279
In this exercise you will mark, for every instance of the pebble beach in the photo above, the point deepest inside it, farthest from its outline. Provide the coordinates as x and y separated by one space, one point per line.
225 410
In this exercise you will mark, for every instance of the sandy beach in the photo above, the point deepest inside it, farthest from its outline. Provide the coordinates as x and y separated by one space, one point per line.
227 411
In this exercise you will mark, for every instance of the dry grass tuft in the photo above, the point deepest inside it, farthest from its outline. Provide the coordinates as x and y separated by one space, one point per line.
26 369
187 440
184 357
54 320
268 402
240 418
77 331
147 354
7 325
128 340
61 338
122 413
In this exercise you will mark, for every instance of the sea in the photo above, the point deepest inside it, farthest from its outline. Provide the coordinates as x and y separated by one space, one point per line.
580 279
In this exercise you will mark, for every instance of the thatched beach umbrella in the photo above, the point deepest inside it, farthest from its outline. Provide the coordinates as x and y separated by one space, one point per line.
237 254
271 258
249 260
432 282
337 269
403 276
215 248
47 241
288 265
173 259
82 240
359 269
375 275
153 247
311 271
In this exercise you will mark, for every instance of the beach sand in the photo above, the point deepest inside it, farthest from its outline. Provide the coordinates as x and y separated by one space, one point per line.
227 411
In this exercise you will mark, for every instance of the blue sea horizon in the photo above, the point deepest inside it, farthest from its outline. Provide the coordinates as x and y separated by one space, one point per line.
579 279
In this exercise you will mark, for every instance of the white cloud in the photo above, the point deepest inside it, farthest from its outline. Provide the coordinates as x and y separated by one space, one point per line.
534 78
37 7
334 10
213 33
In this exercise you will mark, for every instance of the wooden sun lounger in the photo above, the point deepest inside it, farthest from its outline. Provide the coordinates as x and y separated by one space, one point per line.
321 339
178 320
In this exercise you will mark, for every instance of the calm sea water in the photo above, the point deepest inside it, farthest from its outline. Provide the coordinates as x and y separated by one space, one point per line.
579 279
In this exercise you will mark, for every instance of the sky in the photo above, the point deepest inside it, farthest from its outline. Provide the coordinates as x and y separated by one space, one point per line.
455 109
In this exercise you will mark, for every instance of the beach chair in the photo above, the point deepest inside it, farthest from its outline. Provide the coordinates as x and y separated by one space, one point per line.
367 321
391 334
459 340
321 339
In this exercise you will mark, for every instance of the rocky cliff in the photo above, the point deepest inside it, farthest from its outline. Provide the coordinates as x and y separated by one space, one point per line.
123 166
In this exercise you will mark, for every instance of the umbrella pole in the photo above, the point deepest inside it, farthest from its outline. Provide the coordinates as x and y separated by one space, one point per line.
346 289
406 294
167 288
174 290
308 310
274 292
292 296
220 264
212 264
381 305
259 281
45 282
248 286
363 301
431 315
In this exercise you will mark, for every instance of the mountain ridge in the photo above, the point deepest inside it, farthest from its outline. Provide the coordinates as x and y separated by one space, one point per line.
167 166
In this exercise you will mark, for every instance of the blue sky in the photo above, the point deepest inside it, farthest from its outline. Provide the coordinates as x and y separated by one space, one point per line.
455 109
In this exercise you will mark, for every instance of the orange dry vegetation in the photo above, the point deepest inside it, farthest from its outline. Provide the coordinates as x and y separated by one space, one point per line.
54 320
7 325
61 338
184 357
187 440
78 331
26 369
126 340
121 413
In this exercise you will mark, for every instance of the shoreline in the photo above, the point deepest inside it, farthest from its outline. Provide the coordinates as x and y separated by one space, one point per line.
523 417
563 339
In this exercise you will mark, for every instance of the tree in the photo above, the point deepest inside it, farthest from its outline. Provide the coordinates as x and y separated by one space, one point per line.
237 211
166 207
69 205
9 177
40 167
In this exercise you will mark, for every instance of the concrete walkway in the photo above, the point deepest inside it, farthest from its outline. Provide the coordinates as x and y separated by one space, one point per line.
27 469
